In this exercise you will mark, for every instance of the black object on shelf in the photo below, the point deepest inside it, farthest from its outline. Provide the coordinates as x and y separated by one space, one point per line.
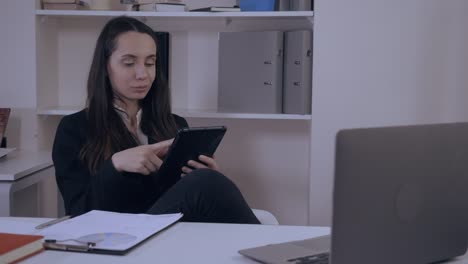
163 53
3 144
294 5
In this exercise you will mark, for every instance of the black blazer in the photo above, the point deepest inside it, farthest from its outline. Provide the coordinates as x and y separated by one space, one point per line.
107 189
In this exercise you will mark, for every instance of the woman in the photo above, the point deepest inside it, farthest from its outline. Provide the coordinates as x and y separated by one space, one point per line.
107 155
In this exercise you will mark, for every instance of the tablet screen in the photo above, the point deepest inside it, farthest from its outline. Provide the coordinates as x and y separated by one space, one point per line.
188 144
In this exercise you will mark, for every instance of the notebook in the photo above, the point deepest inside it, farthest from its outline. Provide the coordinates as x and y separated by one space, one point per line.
105 232
400 196
17 247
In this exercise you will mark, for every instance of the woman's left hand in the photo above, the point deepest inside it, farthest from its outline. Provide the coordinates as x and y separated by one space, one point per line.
204 162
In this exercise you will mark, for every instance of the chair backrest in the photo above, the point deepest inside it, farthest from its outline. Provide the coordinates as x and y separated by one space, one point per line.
265 217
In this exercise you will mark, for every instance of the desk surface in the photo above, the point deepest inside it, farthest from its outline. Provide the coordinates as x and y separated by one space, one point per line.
20 163
184 243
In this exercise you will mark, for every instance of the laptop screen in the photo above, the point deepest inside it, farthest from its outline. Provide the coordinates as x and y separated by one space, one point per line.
401 194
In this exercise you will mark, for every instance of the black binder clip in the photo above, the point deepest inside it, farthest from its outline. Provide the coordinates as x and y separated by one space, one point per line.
56 245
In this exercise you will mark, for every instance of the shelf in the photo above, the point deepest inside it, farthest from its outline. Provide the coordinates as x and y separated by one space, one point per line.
194 33
62 111
59 110
201 21
216 114
87 13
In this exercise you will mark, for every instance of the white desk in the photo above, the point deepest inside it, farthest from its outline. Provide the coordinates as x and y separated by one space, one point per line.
19 170
183 243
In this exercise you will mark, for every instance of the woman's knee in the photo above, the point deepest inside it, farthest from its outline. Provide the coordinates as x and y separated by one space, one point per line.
211 179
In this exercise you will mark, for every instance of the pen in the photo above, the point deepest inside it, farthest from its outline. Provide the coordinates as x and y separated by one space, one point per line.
52 222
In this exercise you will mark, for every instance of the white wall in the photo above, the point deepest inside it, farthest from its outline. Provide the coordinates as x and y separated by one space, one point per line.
18 82
18 86
383 62
17 71
3 47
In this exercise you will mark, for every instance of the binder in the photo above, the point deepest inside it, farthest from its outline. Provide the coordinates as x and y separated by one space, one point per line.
297 86
282 5
250 72
301 5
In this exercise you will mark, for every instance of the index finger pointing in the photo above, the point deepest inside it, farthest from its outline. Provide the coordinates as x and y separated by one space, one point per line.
162 144
162 147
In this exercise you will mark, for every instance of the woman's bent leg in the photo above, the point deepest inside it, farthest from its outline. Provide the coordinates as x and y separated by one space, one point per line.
205 195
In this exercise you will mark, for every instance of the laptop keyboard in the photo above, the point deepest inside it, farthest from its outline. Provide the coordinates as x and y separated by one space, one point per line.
312 259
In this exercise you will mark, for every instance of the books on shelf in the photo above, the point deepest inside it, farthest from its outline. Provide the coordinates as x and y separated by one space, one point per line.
217 9
77 5
83 5
142 2
60 1
16 247
155 7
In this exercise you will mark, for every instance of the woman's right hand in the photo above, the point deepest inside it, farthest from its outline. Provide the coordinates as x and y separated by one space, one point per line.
143 159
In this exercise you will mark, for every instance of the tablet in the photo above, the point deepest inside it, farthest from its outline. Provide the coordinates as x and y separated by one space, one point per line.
188 144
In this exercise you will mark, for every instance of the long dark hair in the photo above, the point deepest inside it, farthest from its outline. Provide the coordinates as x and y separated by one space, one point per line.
107 133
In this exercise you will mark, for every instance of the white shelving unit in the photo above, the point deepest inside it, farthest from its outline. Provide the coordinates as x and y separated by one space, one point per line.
64 110
185 27
259 149
88 13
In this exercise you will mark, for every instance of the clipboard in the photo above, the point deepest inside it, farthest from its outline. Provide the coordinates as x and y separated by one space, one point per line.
104 232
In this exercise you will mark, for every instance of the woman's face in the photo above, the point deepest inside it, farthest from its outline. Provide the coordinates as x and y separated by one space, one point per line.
132 66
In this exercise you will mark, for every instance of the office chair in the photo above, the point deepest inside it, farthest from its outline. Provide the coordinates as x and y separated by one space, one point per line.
265 217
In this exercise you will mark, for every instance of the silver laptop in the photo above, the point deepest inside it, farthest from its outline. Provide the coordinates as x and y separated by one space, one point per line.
400 196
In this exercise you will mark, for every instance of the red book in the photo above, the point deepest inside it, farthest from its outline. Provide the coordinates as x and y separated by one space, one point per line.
15 247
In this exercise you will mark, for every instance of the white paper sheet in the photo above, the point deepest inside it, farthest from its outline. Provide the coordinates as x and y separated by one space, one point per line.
109 230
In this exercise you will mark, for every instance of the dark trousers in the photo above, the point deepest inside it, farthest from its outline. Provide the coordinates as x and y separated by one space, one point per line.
205 195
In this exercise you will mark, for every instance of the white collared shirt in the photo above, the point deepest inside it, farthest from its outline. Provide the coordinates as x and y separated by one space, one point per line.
141 138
